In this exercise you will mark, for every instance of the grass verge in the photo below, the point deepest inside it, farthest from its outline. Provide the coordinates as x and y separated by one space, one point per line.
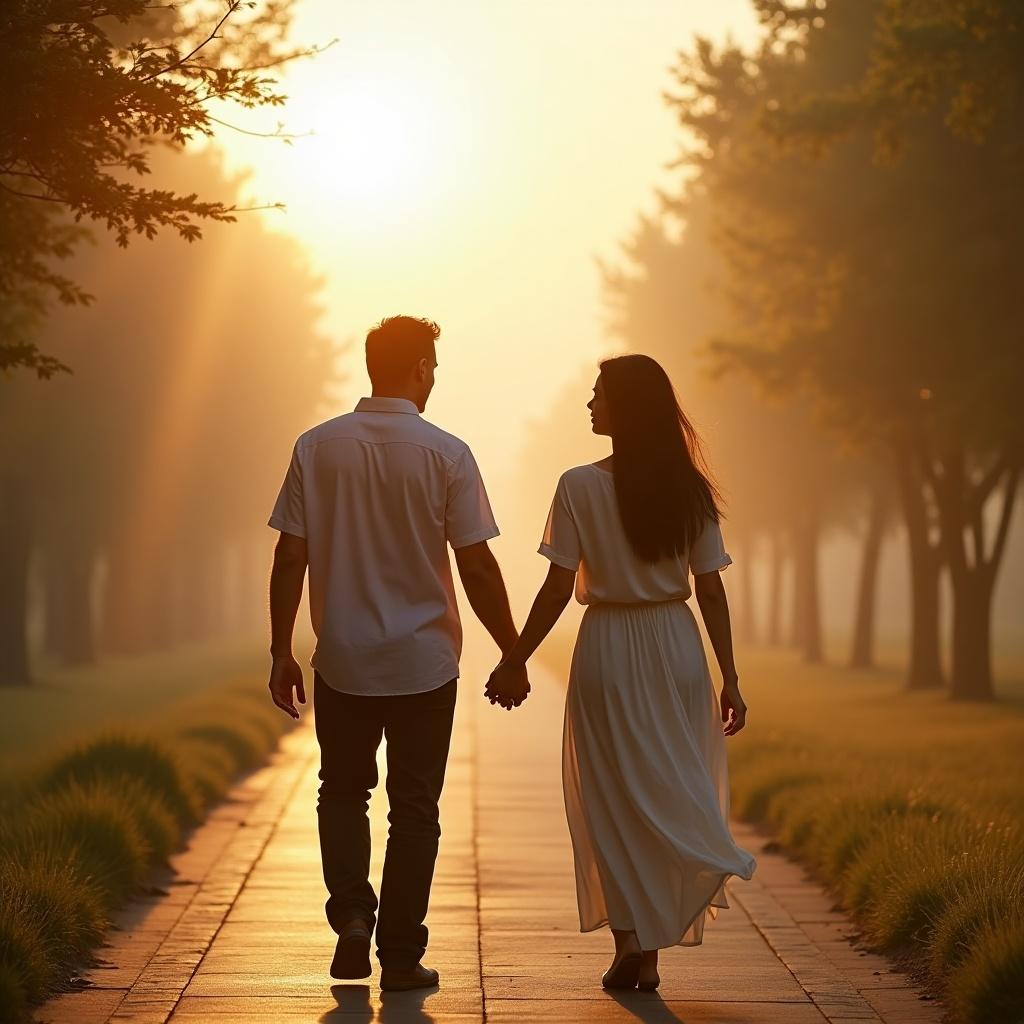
909 808
79 835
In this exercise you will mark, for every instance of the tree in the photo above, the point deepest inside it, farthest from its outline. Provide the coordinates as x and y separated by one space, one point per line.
964 59
942 94
878 493
142 478
886 288
98 86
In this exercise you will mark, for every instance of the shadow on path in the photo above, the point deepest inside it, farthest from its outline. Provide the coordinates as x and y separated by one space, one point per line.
395 1007
646 1006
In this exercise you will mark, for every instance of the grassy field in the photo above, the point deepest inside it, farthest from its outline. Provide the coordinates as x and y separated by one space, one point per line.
103 772
65 705
910 808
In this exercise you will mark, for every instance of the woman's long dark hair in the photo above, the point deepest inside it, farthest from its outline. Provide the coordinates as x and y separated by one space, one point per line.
665 492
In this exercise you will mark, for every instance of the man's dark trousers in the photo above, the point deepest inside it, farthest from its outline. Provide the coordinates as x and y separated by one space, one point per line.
418 730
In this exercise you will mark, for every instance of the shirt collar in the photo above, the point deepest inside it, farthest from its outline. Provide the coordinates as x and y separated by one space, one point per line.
387 405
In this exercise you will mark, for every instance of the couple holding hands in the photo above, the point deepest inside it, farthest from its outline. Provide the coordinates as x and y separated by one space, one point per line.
369 506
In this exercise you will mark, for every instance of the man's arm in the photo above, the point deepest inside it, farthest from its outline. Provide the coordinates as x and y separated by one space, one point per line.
485 588
286 580
550 602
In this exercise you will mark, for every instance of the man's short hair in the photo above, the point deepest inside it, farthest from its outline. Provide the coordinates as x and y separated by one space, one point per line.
396 345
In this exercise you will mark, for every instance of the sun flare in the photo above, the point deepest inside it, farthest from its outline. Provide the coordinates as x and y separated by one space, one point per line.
375 142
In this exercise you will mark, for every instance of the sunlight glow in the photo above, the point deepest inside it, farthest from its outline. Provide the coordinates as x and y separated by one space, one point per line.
469 161
377 143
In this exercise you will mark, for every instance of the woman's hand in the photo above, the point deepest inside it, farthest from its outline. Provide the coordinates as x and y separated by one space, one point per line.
508 686
734 710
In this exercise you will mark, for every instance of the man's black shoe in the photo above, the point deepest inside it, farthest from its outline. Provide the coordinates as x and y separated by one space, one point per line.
398 980
352 955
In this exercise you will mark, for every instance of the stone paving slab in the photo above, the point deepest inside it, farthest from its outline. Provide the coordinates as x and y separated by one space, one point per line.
235 930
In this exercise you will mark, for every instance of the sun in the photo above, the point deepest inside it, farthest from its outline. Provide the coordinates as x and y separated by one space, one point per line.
376 142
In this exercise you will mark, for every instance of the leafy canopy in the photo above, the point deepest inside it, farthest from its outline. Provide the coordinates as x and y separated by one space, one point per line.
92 87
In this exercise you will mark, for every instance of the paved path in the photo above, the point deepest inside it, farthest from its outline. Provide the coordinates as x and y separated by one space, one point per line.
236 933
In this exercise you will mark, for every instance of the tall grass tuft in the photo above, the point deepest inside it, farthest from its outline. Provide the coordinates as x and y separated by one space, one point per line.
754 799
209 768
23 952
65 910
13 1000
988 895
236 741
77 841
119 757
988 987
94 829
853 819
157 825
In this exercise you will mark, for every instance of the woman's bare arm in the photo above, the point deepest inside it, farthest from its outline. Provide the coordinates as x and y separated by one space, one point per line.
714 609
548 605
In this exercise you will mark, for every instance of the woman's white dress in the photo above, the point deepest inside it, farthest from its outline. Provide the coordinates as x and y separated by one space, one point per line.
643 760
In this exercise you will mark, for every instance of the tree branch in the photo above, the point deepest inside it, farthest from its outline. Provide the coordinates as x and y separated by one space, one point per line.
977 535
33 195
950 509
233 6
985 486
1005 516
287 136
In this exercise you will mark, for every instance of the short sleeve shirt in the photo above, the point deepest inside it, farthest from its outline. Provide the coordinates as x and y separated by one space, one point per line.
584 533
379 495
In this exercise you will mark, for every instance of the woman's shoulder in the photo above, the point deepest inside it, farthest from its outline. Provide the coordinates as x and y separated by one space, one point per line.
581 476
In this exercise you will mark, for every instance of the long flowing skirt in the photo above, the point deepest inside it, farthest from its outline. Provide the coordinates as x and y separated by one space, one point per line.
645 777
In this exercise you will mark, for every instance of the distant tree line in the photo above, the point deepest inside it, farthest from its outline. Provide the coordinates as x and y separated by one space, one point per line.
134 492
127 489
836 287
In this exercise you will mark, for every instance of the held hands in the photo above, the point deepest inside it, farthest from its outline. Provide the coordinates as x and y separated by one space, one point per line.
508 686
286 676
734 710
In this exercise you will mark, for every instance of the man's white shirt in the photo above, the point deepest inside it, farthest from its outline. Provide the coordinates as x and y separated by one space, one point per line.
379 494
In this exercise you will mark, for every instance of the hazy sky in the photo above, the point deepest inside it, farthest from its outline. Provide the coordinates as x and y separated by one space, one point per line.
470 162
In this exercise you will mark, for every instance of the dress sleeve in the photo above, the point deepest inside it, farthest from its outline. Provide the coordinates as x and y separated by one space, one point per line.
467 515
289 515
707 553
561 543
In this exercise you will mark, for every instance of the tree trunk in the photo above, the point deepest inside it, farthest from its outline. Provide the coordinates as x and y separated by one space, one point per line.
862 653
747 631
125 604
807 596
971 674
70 615
54 604
961 507
159 627
79 641
15 554
924 669
775 600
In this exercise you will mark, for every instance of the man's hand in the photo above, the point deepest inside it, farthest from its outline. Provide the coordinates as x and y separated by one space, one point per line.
286 676
734 710
508 686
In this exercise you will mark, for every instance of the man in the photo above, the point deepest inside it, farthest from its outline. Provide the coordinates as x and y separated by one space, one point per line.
369 503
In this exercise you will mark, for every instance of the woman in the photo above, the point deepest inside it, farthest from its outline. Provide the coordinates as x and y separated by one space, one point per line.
644 768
